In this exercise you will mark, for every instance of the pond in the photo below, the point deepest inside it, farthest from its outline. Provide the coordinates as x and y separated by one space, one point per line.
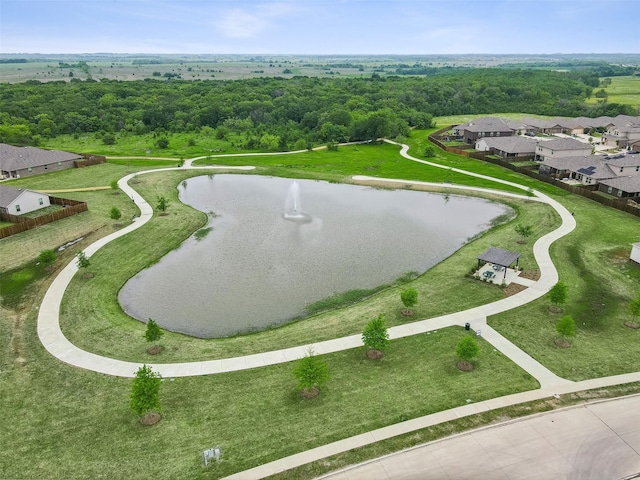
276 245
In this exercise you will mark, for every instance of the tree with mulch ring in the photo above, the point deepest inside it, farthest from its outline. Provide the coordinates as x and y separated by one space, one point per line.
634 310
312 374
557 295
145 395
566 328
153 333
409 297
467 351
375 337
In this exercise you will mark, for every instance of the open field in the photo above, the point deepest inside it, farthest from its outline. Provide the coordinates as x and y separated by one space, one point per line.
625 90
257 415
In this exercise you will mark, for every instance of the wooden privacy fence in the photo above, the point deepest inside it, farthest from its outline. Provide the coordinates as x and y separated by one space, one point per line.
89 160
623 204
22 224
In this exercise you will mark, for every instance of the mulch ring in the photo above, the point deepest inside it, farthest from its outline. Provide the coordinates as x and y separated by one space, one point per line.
150 418
87 275
374 354
562 343
555 309
310 392
155 350
631 324
464 366
530 274
513 288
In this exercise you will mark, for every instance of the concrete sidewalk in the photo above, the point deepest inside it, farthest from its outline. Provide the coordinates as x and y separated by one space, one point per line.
595 441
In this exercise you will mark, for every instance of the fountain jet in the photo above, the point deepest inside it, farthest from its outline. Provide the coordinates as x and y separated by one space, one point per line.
292 209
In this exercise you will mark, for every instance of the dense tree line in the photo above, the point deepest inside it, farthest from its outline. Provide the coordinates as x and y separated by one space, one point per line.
275 113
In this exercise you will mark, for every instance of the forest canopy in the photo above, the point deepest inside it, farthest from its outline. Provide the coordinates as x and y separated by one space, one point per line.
286 111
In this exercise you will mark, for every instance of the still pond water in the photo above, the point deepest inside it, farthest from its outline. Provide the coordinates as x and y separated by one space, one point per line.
259 268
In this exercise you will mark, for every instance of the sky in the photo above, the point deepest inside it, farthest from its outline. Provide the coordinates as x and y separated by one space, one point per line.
320 27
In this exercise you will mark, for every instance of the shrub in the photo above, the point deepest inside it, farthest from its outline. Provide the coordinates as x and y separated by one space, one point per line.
375 335
47 257
467 349
153 332
145 391
311 372
115 213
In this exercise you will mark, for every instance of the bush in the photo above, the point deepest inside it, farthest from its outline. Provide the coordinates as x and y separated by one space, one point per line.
47 257
153 332
115 213
566 327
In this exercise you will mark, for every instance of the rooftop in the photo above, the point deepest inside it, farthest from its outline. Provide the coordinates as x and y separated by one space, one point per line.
18 158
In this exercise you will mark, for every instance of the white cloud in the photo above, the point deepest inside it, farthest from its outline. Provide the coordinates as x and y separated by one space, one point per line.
243 23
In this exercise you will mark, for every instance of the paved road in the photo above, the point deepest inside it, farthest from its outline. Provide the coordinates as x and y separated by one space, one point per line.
599 441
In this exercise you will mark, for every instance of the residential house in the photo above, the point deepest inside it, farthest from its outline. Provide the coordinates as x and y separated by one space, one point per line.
18 201
623 187
592 169
515 146
561 147
623 132
17 162
546 127
483 127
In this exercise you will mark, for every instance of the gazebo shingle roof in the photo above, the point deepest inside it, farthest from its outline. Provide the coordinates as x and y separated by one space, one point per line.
498 256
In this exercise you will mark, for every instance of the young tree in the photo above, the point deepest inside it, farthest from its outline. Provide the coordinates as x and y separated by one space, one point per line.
409 297
153 333
375 337
524 231
467 350
114 186
312 374
162 205
47 257
162 142
82 260
429 152
115 213
566 328
558 295
634 308
145 394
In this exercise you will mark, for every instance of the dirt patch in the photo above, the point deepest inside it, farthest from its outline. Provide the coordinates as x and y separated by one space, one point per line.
88 275
374 354
155 350
464 366
163 214
150 418
310 392
631 324
562 343
407 313
555 309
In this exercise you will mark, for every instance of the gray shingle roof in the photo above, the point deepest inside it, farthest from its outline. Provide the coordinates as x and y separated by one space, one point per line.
486 124
626 184
18 158
9 194
514 144
565 144
498 256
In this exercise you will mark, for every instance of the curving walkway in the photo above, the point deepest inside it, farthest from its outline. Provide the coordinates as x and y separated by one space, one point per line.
59 346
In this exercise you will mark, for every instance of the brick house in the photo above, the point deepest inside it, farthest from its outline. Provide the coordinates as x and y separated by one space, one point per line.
17 162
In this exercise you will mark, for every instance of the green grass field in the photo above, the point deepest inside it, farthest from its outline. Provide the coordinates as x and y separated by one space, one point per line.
625 90
63 422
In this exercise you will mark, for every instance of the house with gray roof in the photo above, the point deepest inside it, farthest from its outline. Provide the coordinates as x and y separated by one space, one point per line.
561 147
623 187
592 169
17 162
18 201
515 146
483 127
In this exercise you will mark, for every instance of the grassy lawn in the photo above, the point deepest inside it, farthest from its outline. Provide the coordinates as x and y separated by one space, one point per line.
256 415
625 90
602 281
69 423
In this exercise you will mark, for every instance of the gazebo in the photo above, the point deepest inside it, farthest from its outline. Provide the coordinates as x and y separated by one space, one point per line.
498 256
